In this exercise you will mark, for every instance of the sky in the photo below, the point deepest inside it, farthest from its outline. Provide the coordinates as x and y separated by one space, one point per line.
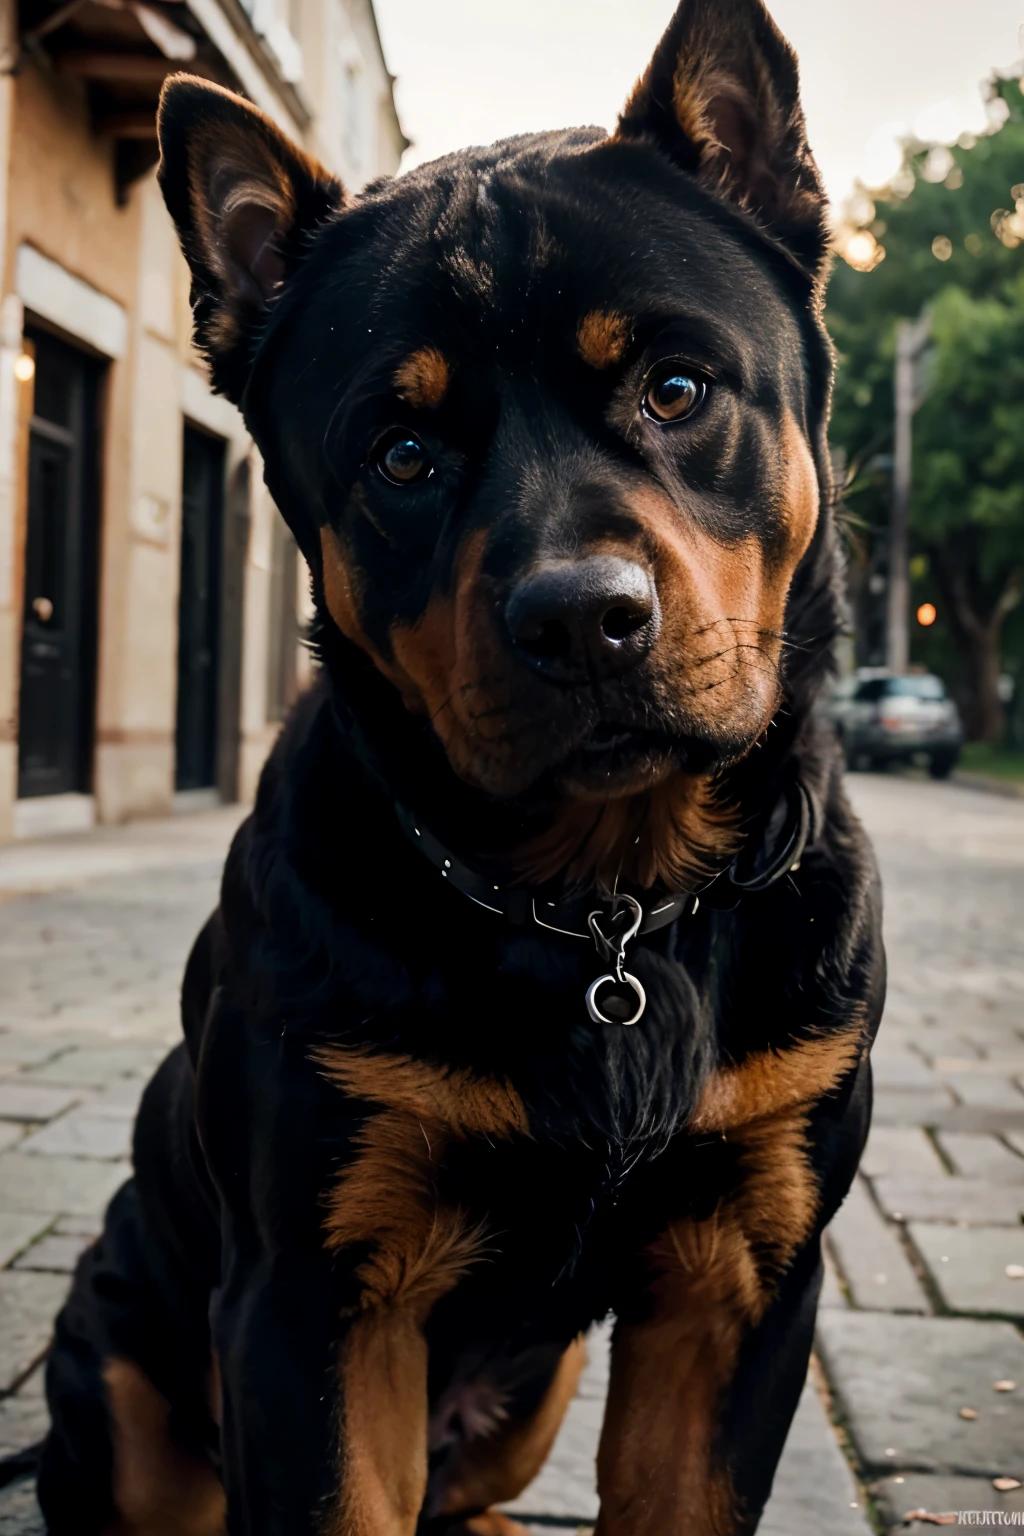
472 71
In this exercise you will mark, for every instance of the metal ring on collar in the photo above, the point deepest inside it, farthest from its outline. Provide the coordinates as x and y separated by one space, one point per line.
631 981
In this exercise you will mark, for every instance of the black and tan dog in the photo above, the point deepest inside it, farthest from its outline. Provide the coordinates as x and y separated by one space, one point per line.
546 968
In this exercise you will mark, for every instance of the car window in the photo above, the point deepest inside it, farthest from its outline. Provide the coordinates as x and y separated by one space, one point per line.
872 690
928 688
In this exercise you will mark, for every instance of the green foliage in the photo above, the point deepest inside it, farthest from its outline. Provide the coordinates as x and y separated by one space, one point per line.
953 238
969 431
864 308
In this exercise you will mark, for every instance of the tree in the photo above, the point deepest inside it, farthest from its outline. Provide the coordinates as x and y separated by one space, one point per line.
949 234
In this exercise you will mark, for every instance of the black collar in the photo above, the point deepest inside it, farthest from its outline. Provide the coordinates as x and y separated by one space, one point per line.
565 914
772 848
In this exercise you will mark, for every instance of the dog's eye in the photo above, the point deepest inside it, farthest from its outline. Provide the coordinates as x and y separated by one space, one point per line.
672 395
402 459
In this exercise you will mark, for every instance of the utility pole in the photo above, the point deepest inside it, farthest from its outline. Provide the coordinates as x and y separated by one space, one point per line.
911 340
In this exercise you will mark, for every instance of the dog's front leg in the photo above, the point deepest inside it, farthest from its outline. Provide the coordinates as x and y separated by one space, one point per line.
323 1416
701 1397
710 1354
382 1426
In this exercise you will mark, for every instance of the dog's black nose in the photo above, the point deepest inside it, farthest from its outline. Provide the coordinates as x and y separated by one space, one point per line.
573 617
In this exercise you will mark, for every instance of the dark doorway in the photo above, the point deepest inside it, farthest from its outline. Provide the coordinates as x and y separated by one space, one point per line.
202 541
58 645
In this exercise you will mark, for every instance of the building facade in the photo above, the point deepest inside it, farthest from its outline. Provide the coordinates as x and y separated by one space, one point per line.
151 599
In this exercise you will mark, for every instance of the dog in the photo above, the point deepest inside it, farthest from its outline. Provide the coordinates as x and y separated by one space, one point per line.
547 965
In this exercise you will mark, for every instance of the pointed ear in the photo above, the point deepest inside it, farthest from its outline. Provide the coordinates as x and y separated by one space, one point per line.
722 97
243 197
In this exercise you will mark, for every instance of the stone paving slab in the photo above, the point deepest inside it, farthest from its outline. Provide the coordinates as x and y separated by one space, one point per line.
871 1259
900 1149
19 1512
17 1230
23 1417
981 1157
56 863
57 1184
912 1106
119 1099
975 1202
896 1067
986 1092
969 1266
832 1293
28 1305
896 1497
900 1383
88 1067
79 1226
26 1050
997 1063
31 1101
56 1253
83 1134
814 1490
974 1119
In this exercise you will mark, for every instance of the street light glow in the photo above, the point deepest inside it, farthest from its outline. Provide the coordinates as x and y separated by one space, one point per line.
926 614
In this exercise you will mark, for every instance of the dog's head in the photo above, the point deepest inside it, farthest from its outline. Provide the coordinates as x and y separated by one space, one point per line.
547 419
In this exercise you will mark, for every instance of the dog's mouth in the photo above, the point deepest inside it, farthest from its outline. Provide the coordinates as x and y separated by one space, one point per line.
616 759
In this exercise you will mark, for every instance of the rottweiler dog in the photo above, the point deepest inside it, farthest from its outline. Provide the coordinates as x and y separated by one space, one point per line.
546 967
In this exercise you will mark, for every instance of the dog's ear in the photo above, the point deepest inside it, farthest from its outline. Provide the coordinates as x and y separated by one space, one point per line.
244 199
721 95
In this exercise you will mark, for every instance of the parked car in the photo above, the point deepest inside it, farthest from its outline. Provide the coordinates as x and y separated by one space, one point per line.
883 717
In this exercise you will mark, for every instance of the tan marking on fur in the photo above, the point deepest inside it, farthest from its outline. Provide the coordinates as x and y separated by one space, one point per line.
676 833
339 589
453 1097
723 607
422 379
388 1196
388 1199
383 1392
602 338
768 1082
714 1280
447 662
340 584
493 1523
800 498
495 1470
159 1488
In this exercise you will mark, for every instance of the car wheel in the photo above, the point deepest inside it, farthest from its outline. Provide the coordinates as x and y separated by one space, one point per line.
941 764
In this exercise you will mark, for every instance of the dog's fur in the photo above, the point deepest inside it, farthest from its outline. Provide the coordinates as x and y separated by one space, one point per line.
394 1172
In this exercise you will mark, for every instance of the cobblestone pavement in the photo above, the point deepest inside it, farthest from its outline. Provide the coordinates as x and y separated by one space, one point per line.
916 1397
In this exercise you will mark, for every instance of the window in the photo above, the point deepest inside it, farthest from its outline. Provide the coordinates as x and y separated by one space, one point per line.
927 688
930 689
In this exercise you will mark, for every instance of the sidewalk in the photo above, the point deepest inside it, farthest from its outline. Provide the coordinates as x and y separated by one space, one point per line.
918 1334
